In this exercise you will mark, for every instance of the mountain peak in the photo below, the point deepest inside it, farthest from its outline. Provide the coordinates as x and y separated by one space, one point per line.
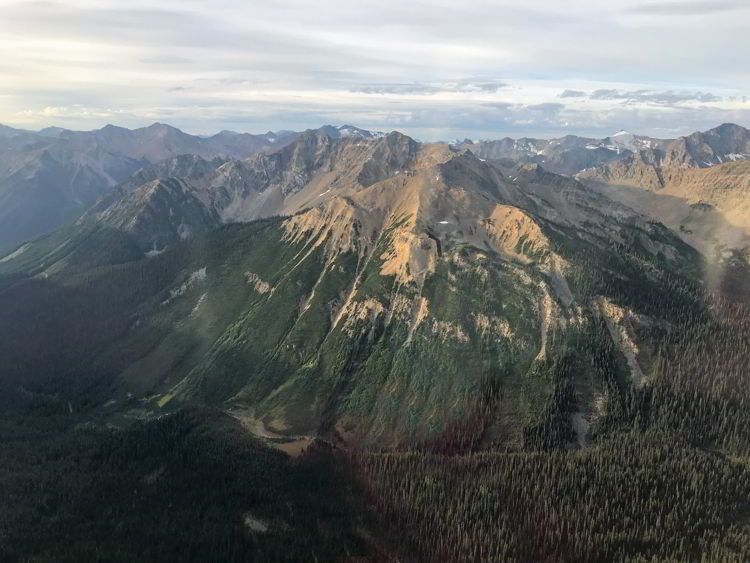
349 131
729 129
157 126
730 125
109 127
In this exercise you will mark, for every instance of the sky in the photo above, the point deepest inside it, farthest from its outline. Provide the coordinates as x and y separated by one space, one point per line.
433 69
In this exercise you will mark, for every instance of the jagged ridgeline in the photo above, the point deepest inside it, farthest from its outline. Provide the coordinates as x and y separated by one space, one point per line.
408 295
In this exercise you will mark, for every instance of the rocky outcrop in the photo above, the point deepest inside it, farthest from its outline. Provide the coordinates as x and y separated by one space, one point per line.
156 215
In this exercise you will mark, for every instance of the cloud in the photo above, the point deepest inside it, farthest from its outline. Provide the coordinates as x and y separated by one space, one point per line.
427 89
572 94
606 94
667 98
74 112
165 60
488 86
499 105
688 7
547 107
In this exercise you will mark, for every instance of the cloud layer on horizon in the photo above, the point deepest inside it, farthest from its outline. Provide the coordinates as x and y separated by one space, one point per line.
431 68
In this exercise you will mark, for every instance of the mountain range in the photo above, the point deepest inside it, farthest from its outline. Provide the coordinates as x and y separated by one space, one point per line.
49 177
570 155
697 185
499 318
379 227
359 209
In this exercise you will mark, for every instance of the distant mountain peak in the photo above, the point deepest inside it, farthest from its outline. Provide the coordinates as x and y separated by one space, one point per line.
163 128
111 127
733 126
349 131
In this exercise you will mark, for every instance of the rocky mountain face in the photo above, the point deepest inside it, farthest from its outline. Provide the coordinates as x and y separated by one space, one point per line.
571 154
198 170
726 143
567 155
240 145
649 168
156 214
350 131
159 141
708 207
46 182
698 186
285 181
50 177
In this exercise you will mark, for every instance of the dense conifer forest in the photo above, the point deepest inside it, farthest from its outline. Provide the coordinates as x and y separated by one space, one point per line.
191 486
